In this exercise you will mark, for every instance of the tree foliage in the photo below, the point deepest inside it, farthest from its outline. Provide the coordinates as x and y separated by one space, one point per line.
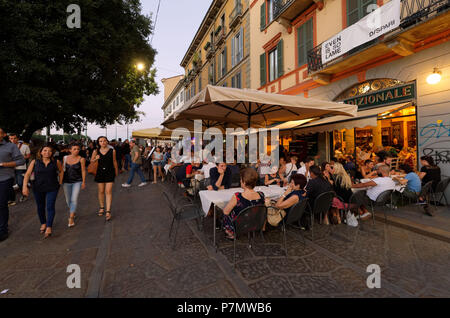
53 75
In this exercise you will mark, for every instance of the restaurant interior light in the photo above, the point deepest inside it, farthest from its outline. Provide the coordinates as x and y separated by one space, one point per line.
434 78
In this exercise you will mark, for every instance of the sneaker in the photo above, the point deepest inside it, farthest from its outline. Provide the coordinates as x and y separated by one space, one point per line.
143 184
366 216
12 203
23 199
126 185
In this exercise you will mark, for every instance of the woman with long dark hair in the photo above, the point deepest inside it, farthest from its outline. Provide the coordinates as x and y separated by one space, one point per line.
47 180
430 171
317 185
74 179
107 171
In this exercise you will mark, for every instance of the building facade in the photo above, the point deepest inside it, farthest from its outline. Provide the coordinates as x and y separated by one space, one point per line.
173 94
220 51
293 42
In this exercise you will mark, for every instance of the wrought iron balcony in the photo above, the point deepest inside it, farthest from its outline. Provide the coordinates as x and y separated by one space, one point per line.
236 15
289 9
413 13
220 36
210 52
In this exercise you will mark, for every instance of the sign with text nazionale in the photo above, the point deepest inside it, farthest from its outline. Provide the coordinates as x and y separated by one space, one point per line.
379 22
385 97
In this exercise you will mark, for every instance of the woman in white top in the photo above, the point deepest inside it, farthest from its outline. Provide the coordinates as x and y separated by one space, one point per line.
291 167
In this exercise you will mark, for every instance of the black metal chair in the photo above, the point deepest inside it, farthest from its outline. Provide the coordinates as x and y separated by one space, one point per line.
250 220
182 210
382 200
294 216
440 189
235 180
322 205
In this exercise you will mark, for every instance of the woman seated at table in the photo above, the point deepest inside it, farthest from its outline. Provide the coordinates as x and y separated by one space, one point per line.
317 185
241 201
274 178
343 188
294 194
291 167
327 172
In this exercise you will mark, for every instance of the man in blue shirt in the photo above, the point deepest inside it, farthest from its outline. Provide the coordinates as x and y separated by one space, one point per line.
10 157
412 182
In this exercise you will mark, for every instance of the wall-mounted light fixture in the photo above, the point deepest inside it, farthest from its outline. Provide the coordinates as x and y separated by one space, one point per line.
434 78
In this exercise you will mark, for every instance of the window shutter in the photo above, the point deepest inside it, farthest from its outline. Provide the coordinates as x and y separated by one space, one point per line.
241 45
280 58
225 60
233 52
263 70
233 83
263 15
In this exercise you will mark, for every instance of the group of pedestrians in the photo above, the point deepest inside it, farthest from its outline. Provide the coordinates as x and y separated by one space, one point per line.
54 168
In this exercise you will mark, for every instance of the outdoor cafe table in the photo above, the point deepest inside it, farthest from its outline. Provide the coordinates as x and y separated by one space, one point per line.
398 186
221 198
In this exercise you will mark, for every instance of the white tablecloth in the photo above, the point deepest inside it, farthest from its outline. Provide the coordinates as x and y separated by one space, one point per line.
222 197
398 186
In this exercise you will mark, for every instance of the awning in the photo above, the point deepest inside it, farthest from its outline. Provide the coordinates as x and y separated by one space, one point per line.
147 133
365 118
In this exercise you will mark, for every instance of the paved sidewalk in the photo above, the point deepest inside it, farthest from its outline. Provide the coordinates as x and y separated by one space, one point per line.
130 257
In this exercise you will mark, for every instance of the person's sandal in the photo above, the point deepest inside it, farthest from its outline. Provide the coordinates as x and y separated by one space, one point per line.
43 228
71 222
101 212
108 218
47 234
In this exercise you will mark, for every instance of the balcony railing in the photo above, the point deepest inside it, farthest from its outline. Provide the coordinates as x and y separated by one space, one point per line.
236 15
210 52
412 12
220 36
279 6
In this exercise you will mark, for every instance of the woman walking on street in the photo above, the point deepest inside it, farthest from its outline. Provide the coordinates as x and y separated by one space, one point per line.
74 179
47 175
107 171
158 162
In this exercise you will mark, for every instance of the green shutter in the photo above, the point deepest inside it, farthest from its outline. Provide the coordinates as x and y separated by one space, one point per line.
263 15
225 60
263 70
280 58
305 41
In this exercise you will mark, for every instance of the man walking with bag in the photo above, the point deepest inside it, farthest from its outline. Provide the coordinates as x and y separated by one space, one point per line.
10 158
136 163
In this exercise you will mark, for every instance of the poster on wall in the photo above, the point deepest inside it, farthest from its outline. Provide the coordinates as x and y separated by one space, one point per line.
381 21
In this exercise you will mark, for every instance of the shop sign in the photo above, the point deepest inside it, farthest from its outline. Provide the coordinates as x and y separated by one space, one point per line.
389 96
379 22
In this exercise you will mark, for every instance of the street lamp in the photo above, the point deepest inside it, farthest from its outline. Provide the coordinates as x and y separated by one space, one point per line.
140 67
435 77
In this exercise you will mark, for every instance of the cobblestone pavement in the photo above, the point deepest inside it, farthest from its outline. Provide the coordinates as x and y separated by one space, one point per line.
130 257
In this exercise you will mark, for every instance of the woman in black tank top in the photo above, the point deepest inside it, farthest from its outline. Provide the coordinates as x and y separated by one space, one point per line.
47 173
74 180
107 170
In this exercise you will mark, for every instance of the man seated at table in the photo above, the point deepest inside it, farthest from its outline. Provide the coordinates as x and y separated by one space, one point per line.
376 187
304 170
367 171
186 174
207 166
220 177
411 180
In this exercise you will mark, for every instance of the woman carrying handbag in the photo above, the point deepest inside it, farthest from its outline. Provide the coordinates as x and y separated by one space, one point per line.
47 176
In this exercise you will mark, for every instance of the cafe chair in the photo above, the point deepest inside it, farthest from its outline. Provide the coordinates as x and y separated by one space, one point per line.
440 189
293 218
322 205
425 192
250 220
182 209
382 200
236 180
